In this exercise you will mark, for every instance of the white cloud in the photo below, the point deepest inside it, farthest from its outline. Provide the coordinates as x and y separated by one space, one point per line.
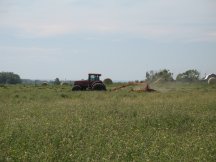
28 49
204 37
160 19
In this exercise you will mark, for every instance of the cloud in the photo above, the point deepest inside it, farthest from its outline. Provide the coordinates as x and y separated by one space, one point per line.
161 19
28 51
204 37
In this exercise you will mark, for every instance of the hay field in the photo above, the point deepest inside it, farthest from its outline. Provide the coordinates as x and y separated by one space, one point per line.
55 124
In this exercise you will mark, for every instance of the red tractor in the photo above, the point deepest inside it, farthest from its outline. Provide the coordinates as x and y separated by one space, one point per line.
93 83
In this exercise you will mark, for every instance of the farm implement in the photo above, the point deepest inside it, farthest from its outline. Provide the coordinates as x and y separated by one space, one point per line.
94 83
144 87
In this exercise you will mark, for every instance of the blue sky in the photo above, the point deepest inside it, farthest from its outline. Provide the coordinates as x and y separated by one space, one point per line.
122 39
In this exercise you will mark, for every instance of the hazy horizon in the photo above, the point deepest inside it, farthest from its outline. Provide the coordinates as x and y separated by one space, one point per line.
122 39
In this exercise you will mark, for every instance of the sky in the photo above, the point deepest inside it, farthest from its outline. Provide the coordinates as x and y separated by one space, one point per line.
121 39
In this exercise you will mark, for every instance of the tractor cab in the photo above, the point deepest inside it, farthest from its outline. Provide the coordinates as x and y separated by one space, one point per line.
94 77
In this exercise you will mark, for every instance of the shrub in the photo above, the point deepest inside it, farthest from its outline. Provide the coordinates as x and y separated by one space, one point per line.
57 81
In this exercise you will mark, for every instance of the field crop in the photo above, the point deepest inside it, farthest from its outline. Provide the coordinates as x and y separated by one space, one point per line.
52 123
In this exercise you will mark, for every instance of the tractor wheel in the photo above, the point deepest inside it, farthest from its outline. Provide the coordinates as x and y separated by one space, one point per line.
76 88
99 87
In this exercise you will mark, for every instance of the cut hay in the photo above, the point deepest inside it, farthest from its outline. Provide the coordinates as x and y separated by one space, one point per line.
210 76
64 84
159 80
44 84
212 80
145 87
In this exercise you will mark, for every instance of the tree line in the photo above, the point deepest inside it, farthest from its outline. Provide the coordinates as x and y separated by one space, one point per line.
191 75
9 78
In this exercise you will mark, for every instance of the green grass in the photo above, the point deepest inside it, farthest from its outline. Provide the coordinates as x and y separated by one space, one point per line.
55 124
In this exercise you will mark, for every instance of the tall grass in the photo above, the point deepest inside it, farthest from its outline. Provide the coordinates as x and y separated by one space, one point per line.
54 124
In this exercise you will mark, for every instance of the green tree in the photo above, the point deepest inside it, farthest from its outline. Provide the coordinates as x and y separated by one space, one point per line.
189 76
57 81
164 75
9 78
